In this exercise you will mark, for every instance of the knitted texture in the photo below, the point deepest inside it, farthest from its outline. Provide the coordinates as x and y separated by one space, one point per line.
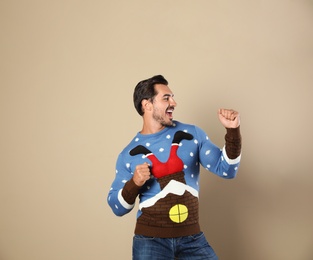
168 201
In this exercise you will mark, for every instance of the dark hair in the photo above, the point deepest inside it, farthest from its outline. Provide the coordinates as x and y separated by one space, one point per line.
145 90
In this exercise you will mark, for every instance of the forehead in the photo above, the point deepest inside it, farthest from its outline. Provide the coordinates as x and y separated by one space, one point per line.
163 90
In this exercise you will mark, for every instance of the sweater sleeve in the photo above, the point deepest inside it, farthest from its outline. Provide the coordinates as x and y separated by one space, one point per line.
130 191
123 191
233 142
222 162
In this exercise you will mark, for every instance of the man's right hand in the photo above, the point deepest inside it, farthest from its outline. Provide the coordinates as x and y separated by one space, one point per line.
141 174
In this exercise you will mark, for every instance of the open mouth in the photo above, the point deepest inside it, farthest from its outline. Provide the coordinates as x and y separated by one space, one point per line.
169 112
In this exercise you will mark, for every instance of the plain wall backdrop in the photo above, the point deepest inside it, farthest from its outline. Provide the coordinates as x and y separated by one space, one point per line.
67 74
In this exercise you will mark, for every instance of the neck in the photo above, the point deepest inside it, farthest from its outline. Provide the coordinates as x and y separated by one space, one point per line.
149 128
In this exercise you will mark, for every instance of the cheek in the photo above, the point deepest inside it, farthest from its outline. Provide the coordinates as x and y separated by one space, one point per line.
157 109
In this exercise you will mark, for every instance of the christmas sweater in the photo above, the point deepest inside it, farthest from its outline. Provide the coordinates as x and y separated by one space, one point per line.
169 200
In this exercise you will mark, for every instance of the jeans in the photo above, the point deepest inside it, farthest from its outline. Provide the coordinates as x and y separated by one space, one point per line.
193 247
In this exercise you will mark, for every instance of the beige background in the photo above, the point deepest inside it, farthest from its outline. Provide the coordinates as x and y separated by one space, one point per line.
68 69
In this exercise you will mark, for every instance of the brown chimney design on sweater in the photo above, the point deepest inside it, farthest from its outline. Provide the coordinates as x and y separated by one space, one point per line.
174 210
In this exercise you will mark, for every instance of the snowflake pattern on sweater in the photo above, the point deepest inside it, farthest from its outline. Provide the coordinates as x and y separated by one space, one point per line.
168 202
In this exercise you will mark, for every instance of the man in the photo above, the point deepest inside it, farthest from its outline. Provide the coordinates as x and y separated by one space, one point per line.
161 165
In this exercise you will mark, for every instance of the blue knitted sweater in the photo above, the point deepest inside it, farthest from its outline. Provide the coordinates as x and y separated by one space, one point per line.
168 202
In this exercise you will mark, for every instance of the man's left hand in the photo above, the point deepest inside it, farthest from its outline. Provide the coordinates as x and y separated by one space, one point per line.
229 118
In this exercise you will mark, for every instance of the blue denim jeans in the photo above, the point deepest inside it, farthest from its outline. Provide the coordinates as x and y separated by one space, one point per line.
193 247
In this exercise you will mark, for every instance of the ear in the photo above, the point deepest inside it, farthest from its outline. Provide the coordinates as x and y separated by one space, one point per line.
146 105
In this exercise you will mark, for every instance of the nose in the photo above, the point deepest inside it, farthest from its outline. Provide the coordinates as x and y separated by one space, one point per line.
173 102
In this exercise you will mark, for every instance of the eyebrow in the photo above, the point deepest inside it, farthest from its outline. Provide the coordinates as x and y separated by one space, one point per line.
168 95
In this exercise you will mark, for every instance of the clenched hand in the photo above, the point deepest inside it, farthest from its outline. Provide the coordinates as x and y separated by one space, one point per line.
141 174
229 118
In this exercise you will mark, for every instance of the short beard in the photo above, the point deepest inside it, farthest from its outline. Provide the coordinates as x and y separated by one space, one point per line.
162 121
167 124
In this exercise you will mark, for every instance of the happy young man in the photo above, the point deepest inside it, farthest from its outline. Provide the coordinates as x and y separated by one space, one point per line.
161 165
